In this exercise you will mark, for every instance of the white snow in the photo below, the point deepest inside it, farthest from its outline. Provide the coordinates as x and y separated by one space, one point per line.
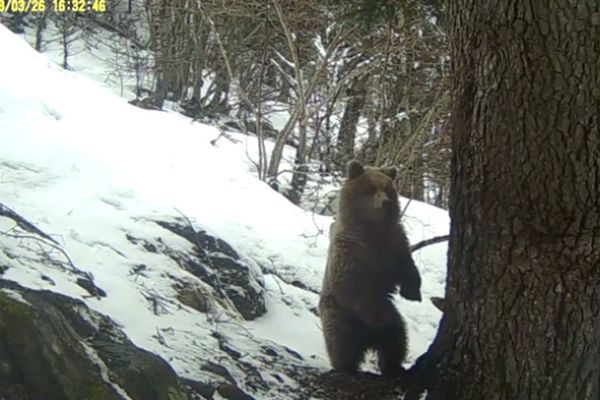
88 168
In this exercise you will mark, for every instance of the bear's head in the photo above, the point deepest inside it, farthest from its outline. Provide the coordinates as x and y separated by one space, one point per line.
369 195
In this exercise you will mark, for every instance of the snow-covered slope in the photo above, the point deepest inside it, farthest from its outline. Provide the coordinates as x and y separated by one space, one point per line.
89 169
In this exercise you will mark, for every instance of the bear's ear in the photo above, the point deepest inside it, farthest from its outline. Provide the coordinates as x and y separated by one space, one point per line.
354 169
392 172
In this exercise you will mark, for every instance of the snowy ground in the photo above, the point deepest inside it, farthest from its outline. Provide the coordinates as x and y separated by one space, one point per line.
86 167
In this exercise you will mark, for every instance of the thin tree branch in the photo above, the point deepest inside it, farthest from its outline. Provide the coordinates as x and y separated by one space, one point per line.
24 224
428 242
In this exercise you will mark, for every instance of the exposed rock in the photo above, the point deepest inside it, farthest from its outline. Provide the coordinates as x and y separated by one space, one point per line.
253 377
218 370
219 265
88 284
53 347
231 392
199 388
195 295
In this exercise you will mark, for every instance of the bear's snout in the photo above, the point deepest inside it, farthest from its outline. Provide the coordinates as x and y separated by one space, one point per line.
381 200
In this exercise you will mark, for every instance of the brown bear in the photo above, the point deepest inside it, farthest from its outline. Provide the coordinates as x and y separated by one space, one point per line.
368 258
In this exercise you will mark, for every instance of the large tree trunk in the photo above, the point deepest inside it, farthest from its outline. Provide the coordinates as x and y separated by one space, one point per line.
523 291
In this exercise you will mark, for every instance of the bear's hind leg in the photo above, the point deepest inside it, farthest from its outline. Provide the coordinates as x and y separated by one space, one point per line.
345 353
344 338
390 343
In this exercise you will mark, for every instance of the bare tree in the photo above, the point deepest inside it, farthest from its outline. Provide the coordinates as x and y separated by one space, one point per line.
235 62
68 29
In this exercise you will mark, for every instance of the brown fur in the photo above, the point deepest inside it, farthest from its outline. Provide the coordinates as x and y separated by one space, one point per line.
368 259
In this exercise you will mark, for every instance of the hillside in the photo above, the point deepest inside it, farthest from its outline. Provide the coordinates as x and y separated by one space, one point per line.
118 195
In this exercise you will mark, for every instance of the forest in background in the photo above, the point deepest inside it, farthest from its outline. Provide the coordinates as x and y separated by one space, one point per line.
354 79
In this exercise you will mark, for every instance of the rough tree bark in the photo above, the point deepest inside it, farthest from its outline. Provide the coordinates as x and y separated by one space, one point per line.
523 288
357 93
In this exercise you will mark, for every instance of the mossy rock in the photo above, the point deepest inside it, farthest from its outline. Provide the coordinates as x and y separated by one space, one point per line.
42 356
53 347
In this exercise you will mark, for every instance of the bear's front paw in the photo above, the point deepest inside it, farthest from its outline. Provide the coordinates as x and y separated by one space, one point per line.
413 294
